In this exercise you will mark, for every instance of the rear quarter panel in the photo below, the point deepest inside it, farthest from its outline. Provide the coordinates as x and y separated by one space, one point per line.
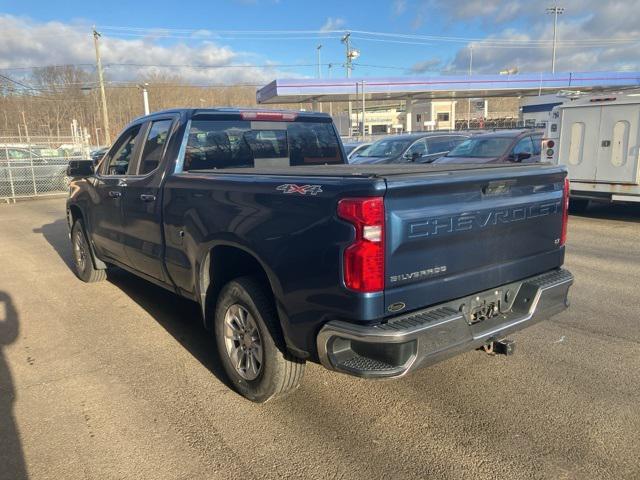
297 238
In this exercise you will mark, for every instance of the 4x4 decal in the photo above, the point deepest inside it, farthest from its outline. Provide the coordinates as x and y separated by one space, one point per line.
300 189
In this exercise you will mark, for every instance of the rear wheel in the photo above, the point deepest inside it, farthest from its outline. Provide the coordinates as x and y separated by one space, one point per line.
82 257
250 342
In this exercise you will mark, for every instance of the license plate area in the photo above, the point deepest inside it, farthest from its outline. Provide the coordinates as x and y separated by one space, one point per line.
483 307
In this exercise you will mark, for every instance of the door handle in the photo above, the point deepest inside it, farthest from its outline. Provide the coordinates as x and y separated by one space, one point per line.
115 194
147 198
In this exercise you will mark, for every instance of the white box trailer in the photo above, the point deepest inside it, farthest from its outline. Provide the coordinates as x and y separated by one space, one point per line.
598 139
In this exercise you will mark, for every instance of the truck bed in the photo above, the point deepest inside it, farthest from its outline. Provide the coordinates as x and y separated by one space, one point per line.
373 171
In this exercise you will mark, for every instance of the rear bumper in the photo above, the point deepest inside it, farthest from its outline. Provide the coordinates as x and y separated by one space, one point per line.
428 336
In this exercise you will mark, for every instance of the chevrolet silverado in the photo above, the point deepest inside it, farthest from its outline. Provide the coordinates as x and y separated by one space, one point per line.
293 255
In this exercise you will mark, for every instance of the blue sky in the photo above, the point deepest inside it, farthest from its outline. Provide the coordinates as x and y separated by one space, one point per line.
61 28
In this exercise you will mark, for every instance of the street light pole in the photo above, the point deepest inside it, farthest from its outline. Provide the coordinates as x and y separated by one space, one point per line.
555 11
364 110
145 97
318 48
105 113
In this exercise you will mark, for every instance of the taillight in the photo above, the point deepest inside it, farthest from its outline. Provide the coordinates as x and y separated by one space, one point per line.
268 116
565 211
364 258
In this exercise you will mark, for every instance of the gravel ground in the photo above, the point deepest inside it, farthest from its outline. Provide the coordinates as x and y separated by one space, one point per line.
119 380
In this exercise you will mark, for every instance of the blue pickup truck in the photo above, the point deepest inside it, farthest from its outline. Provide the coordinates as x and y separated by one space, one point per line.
296 256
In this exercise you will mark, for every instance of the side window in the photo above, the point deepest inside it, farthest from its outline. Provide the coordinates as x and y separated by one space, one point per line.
18 154
439 144
420 147
117 161
523 146
455 141
154 146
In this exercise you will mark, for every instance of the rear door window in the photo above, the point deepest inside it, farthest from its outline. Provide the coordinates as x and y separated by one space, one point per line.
154 146
244 144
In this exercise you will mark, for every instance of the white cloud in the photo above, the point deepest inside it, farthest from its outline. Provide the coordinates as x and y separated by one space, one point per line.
399 7
426 66
25 42
333 24
583 20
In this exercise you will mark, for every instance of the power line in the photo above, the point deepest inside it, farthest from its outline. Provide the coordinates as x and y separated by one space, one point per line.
28 87
203 33
175 65
368 35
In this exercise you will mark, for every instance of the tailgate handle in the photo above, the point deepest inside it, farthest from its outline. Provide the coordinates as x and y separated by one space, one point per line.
498 188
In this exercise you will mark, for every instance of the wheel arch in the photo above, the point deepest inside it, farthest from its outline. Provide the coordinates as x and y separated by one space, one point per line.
75 213
222 262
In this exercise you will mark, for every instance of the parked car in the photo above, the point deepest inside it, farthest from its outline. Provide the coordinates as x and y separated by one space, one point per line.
422 147
24 172
293 256
354 148
521 146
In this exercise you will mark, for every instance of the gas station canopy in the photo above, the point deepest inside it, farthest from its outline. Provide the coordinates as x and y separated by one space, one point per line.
440 87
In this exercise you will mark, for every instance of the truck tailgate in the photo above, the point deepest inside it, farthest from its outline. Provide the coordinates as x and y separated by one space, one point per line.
451 234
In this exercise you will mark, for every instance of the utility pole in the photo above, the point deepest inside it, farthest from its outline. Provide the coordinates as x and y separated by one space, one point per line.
555 11
105 113
26 130
470 72
318 48
347 41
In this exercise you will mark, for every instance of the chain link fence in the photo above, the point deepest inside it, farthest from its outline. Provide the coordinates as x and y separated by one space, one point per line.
36 167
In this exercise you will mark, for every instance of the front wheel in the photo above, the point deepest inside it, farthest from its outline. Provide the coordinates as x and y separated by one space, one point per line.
250 342
82 257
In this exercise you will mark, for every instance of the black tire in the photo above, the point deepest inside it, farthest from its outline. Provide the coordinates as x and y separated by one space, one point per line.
82 257
279 372
578 205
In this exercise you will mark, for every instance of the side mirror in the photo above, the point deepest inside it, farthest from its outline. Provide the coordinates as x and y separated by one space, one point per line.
80 168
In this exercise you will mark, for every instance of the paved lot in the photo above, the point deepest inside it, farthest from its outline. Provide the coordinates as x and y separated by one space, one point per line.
119 380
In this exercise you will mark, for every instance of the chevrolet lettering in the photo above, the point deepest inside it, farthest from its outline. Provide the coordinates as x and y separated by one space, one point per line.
481 219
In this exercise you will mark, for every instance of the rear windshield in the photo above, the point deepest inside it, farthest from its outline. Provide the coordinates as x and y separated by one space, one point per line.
240 143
